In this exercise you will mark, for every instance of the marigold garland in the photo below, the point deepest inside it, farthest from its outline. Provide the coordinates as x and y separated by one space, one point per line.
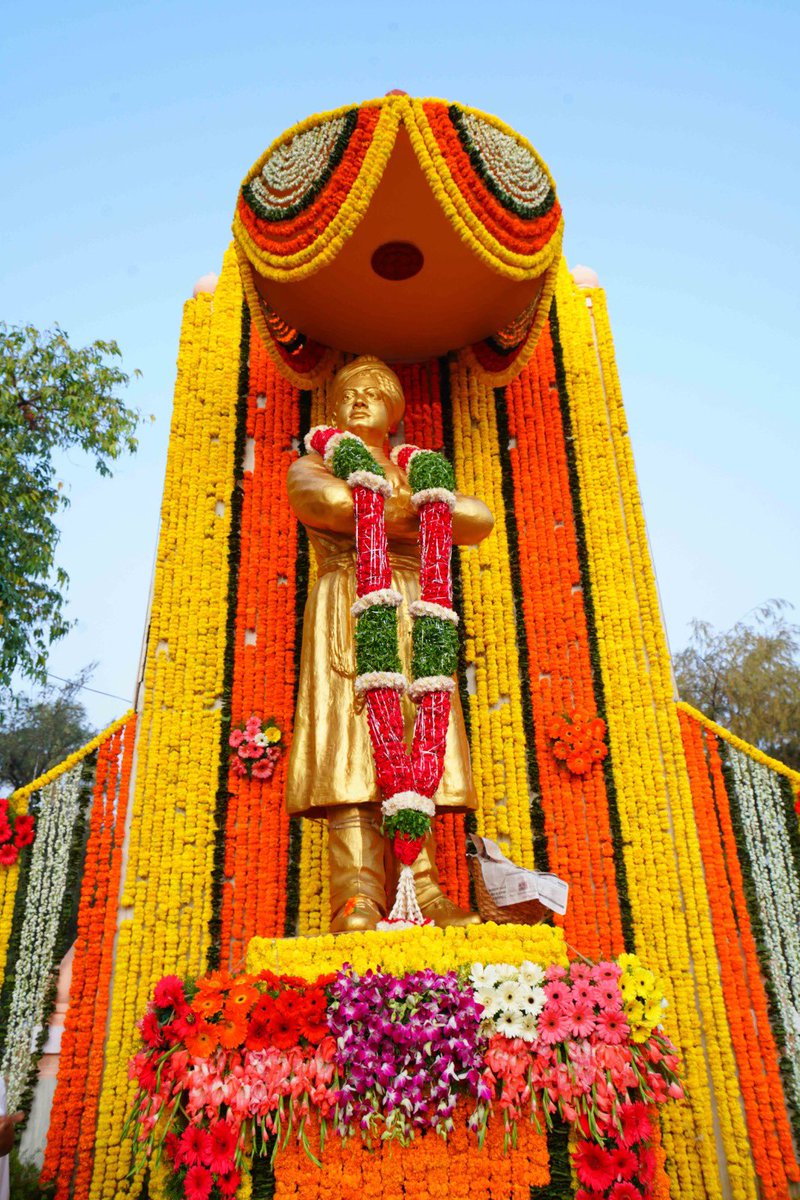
664 875
169 877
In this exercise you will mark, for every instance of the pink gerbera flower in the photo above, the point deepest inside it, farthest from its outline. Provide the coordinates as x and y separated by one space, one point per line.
612 1027
554 972
580 973
608 994
605 971
198 1183
169 992
581 1019
593 1165
583 990
554 1024
557 992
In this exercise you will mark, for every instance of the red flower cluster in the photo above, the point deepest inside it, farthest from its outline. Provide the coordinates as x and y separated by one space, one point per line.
251 1012
256 748
206 1153
15 832
624 1168
578 740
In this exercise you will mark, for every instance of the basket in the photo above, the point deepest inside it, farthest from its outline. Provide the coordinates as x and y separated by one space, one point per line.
529 912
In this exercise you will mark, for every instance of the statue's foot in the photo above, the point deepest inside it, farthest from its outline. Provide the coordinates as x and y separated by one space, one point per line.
356 915
444 912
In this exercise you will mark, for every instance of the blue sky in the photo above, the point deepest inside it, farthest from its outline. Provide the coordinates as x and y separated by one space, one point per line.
671 131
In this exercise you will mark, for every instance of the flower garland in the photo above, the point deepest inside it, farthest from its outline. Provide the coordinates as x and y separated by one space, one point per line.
70 1141
756 1051
234 1062
168 883
408 781
16 831
669 900
26 1005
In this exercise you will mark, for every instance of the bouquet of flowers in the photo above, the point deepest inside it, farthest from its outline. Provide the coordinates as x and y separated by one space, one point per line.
16 831
578 741
256 747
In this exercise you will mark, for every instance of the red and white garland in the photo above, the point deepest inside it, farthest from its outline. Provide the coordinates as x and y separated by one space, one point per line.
408 780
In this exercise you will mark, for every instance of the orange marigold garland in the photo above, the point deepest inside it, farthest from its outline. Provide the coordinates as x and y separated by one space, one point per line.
70 1142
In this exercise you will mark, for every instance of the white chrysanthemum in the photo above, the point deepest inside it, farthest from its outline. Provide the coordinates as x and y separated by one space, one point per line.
531 974
508 994
261 739
509 1025
488 997
528 1024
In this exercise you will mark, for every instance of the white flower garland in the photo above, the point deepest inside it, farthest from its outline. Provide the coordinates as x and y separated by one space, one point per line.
425 608
430 683
431 495
58 810
387 596
777 889
368 479
406 800
380 679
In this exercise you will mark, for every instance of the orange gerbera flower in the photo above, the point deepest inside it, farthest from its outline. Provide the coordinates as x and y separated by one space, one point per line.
216 981
207 1004
203 1041
242 997
231 1030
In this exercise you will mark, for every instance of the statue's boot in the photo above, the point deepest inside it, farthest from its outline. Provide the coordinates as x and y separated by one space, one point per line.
358 878
434 904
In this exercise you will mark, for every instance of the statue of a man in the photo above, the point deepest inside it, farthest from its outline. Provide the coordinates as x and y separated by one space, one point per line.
331 773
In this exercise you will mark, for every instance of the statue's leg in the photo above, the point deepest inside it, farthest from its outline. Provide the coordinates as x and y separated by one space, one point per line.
355 854
432 900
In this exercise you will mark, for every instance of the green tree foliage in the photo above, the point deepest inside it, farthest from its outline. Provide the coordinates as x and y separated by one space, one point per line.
38 732
748 678
53 398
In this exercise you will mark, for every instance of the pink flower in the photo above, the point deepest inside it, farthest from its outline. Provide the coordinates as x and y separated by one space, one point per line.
580 973
612 1027
238 767
581 1019
253 725
554 1024
236 738
263 770
555 972
584 991
605 971
676 1091
557 992
608 994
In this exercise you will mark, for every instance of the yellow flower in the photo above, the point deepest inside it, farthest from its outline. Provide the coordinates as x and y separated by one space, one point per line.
272 734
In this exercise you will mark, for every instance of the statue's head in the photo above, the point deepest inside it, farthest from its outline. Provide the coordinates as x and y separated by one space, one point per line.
367 398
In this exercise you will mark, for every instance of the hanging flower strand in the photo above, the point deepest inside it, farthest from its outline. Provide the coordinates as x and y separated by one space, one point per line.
407 781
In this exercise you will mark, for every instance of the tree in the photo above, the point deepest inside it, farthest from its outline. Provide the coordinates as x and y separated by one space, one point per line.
748 678
53 397
38 732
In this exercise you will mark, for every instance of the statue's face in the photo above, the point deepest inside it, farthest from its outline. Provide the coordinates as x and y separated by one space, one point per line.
361 407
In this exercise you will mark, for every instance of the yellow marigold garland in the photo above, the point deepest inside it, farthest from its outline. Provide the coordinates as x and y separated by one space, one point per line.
669 900
396 953
167 892
497 735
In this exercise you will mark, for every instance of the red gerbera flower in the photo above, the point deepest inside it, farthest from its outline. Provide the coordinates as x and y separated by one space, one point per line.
314 1029
635 1122
229 1183
594 1166
151 1030
8 854
195 1146
223 1147
259 1033
169 992
284 1031
647 1165
24 828
198 1184
624 1191
624 1162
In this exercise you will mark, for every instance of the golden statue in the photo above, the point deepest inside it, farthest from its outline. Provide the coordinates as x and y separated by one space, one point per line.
331 772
